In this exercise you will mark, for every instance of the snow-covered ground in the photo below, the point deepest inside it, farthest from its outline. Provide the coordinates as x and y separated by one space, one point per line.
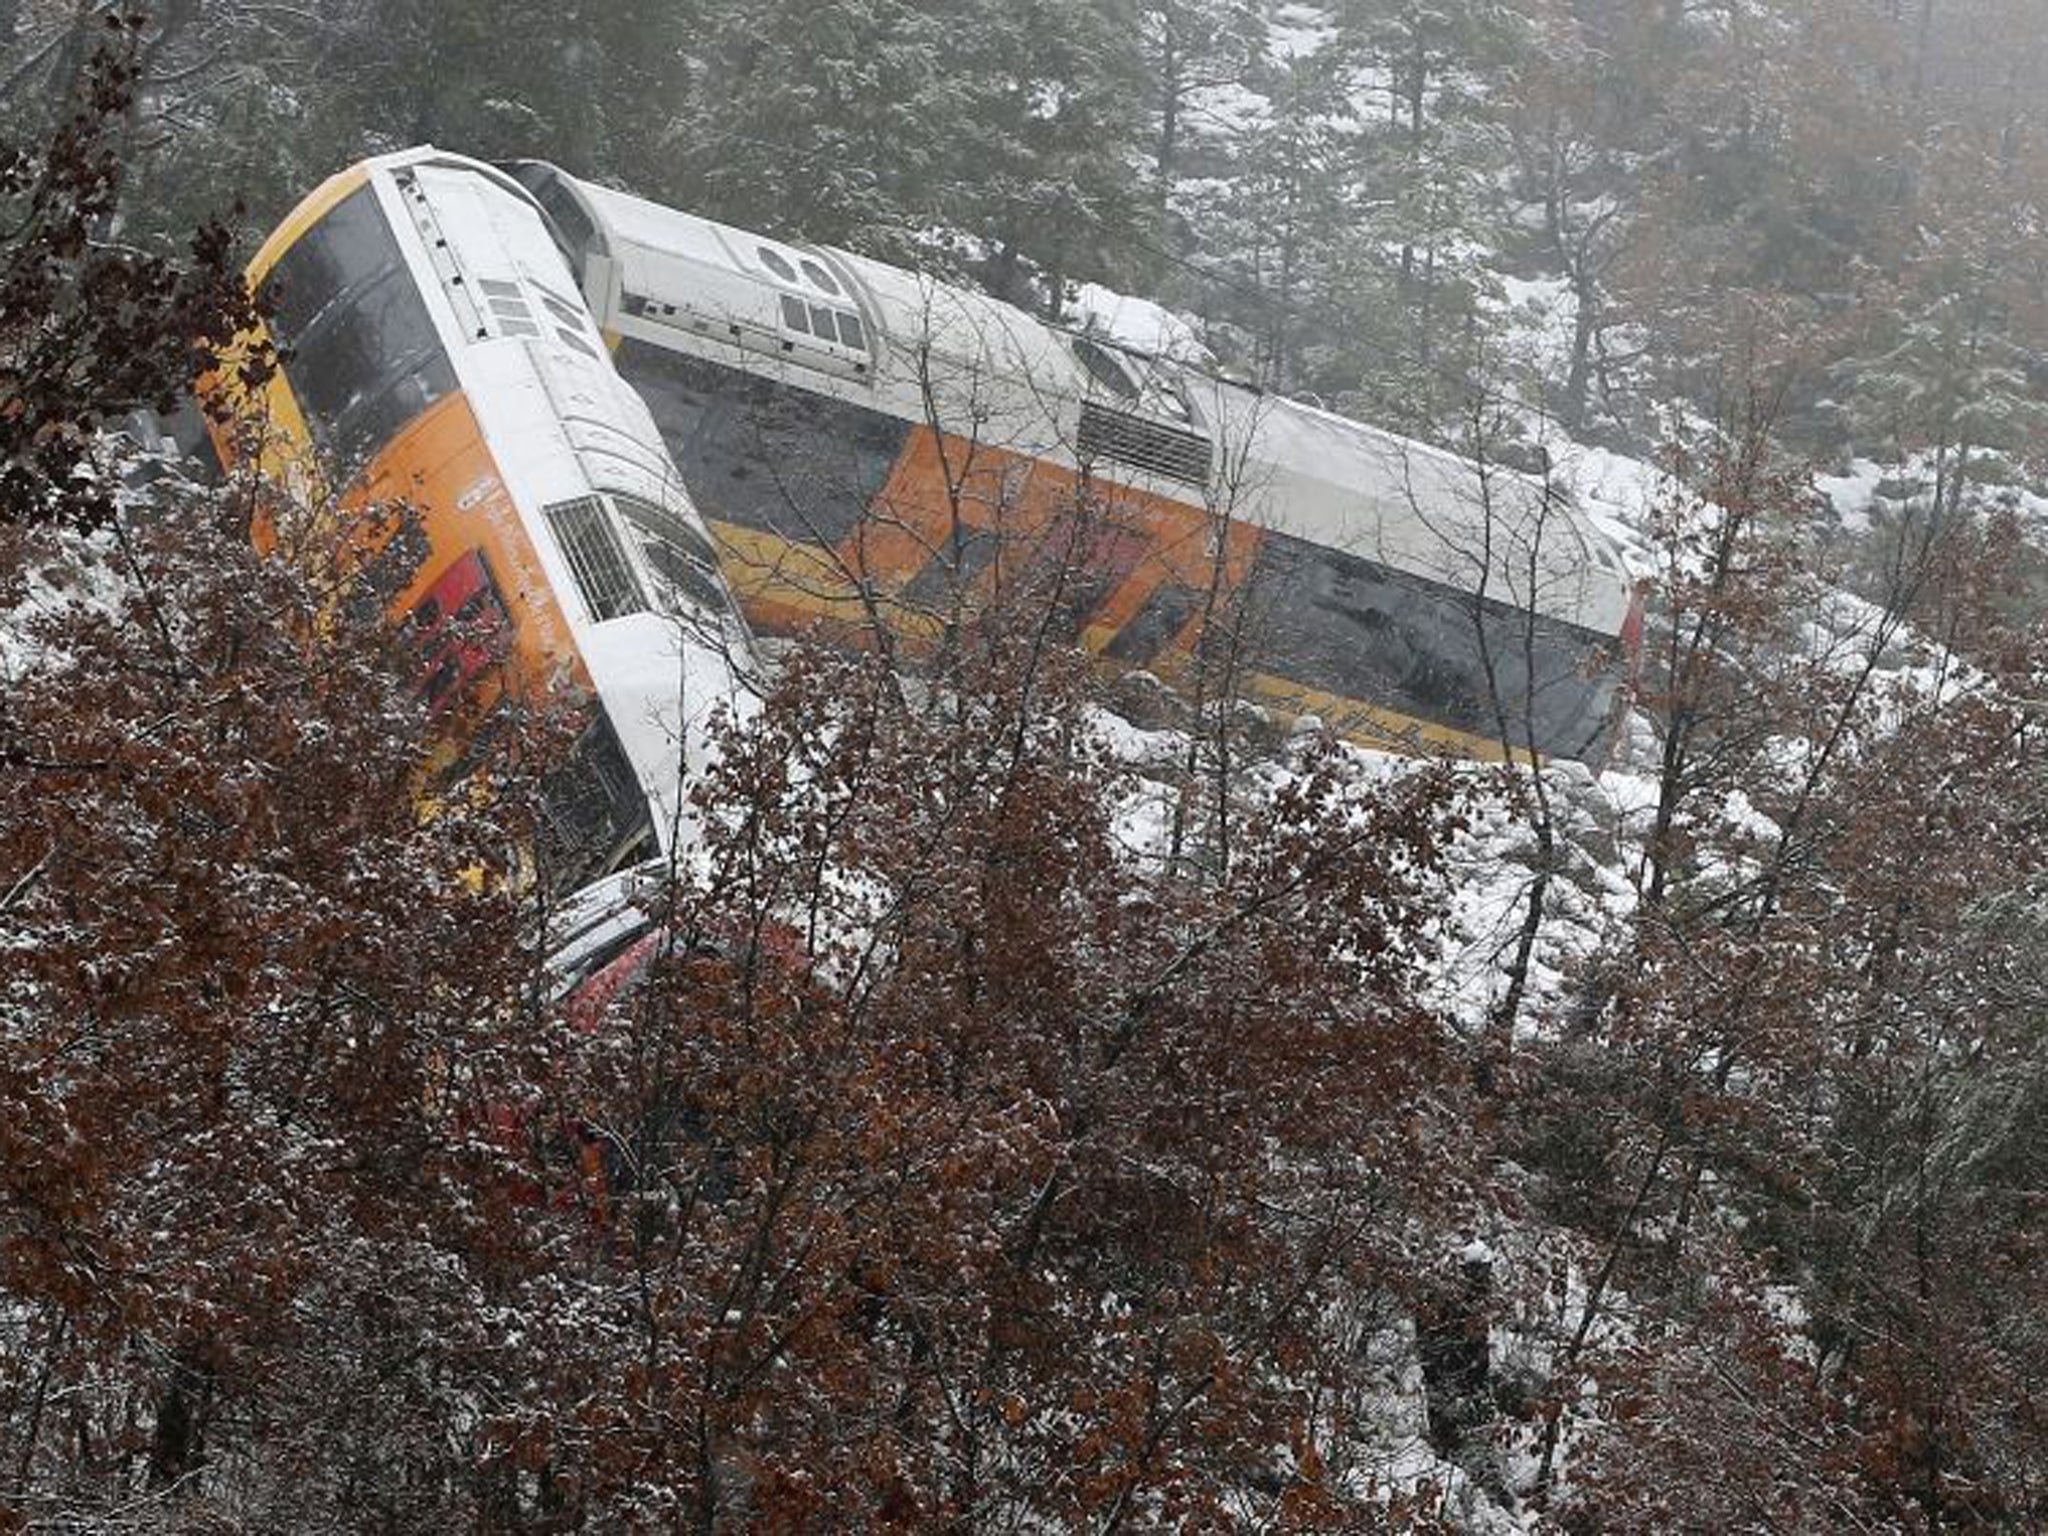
1601 824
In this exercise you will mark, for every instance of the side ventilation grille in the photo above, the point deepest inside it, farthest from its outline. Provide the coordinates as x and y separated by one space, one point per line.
589 540
1111 436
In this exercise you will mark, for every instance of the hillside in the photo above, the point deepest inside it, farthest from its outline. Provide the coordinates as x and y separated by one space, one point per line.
1009 1096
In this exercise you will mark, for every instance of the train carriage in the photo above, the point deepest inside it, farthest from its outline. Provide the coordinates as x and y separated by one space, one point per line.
436 350
862 440
635 437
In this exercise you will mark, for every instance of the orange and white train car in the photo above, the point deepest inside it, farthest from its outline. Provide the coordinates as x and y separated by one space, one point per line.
864 443
437 350
636 437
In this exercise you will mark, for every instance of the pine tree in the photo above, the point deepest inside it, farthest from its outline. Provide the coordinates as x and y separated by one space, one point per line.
1275 230
90 331
1192 47
1045 168
821 122
1423 164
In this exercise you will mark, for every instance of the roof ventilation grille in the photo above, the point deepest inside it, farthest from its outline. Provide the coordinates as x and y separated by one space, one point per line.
1111 436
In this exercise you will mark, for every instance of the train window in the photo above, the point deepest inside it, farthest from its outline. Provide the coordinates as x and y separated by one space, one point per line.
589 541
594 813
333 362
680 555
850 331
1153 627
694 585
762 454
822 325
1105 368
373 378
498 288
573 229
774 262
348 247
794 315
1166 396
820 278
364 356
441 679
1348 626
671 527
567 313
1086 560
951 571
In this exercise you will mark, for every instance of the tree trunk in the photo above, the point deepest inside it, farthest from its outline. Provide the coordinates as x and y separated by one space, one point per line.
1166 155
178 1442
1578 375
71 59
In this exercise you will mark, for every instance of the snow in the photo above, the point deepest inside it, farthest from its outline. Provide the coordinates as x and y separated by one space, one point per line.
1540 313
1297 31
1140 325
1618 494
1851 495
1227 111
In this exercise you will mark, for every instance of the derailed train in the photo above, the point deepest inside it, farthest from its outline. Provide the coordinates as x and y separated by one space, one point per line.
436 349
637 437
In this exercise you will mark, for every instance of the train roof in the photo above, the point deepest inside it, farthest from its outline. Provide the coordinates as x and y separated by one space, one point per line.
1276 462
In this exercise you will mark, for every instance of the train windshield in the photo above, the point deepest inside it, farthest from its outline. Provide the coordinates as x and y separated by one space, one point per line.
360 349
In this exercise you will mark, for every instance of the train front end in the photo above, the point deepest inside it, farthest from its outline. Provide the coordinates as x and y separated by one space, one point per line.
436 352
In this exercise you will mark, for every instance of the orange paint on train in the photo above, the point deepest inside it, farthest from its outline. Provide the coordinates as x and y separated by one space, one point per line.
440 464
1131 543
441 467
1137 543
